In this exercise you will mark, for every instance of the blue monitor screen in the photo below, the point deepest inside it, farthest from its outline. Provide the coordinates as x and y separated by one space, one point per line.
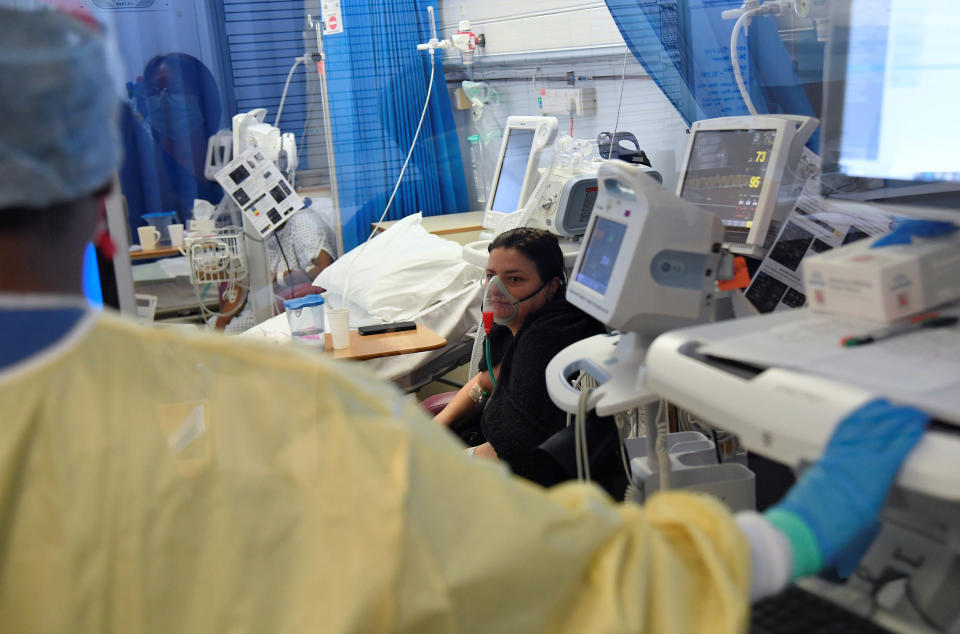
91 277
601 254
506 197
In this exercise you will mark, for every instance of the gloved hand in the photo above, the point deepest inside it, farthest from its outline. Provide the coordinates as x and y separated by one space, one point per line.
840 496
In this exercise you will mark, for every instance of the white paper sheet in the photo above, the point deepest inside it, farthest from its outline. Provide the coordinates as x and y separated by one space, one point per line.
814 225
924 364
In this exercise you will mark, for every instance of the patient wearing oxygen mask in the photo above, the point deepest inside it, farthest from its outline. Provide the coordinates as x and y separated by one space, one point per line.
505 412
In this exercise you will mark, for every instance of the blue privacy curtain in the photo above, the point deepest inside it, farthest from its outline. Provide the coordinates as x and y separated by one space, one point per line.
685 47
377 82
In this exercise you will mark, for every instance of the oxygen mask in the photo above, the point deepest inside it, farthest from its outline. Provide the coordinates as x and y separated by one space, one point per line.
499 306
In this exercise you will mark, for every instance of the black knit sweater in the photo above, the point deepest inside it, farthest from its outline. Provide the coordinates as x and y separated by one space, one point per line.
519 414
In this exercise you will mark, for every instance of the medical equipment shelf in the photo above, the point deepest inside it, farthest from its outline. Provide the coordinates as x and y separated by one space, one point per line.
787 414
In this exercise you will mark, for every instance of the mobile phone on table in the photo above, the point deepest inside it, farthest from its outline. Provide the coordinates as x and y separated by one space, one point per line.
379 329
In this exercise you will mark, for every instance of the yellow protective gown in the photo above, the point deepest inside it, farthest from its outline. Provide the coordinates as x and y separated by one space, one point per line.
157 482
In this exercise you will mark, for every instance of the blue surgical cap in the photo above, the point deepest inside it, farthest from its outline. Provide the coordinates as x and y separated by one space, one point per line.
57 110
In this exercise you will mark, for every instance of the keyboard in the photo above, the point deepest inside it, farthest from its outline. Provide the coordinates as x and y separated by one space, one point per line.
796 611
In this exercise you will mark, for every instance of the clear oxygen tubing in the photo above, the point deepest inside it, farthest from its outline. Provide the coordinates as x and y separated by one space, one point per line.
413 145
477 352
286 86
493 379
735 61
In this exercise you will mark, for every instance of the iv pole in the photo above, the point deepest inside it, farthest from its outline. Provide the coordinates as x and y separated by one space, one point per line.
328 131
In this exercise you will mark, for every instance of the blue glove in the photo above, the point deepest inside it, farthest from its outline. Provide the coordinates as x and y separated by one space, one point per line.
840 496
905 229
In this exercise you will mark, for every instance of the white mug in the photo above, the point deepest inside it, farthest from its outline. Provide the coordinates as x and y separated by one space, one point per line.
148 237
176 234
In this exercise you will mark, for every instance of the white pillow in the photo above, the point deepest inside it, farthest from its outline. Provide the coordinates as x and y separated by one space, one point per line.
398 273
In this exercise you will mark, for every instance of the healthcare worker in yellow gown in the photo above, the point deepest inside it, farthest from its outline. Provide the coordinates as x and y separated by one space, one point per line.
153 481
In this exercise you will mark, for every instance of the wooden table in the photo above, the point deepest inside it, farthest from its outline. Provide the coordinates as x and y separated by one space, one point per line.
387 344
161 252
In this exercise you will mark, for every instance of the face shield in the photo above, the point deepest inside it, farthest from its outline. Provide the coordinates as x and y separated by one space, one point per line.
498 302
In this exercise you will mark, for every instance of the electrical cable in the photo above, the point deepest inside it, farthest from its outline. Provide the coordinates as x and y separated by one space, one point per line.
623 422
716 445
616 124
663 428
283 97
657 452
623 457
293 294
735 60
587 384
413 145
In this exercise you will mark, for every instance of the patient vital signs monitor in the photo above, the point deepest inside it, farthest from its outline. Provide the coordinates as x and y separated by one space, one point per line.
735 167
642 266
524 139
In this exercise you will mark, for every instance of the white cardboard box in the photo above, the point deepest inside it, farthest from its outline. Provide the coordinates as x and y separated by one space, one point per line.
887 283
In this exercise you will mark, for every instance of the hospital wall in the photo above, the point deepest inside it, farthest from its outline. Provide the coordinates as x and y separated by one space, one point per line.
541 44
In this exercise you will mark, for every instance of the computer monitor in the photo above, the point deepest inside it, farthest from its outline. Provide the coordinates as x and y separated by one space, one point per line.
892 82
524 139
735 168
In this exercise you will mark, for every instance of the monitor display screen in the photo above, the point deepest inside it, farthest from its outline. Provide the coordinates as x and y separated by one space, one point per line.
601 254
902 85
516 155
726 171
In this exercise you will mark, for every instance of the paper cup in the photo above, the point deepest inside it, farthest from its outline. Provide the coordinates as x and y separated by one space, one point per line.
176 235
338 323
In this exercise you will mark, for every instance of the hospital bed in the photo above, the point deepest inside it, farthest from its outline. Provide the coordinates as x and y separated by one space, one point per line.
403 274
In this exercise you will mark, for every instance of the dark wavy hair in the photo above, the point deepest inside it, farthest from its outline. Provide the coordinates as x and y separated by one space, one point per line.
541 248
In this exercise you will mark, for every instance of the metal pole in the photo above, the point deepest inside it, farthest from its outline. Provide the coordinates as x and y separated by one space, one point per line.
122 267
328 129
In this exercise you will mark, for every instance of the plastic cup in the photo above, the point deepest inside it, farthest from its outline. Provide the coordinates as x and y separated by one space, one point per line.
305 316
338 322
148 237
176 235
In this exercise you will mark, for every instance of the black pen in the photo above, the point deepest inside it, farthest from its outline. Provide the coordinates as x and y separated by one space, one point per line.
895 331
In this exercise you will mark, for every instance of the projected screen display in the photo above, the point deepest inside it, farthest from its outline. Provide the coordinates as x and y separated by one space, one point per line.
601 255
516 155
901 92
726 171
